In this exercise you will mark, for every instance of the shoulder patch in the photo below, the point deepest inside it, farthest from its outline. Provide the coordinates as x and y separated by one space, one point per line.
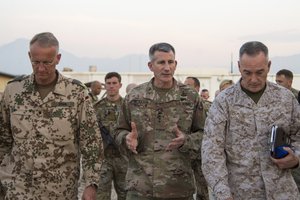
18 78
77 82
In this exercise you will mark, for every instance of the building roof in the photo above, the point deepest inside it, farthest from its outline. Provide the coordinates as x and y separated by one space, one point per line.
7 75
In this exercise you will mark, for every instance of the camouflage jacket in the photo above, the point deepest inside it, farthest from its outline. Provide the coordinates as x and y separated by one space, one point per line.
235 147
206 105
295 92
41 141
155 172
107 112
94 98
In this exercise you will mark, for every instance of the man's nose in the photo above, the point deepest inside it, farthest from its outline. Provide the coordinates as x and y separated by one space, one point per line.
253 78
167 66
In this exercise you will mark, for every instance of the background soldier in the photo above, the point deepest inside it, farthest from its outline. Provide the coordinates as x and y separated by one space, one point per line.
201 185
96 88
284 78
114 166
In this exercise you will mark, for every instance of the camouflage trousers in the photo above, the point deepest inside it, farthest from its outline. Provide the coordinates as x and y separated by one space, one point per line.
134 196
201 185
296 175
2 193
114 170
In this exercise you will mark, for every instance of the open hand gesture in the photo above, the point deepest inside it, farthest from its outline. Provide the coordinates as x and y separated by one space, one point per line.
178 141
131 139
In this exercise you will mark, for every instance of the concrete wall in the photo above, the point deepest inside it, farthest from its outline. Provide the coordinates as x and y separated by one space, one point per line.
207 81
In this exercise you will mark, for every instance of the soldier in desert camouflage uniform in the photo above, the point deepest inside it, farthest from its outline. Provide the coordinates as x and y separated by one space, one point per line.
47 123
201 185
159 127
114 167
236 159
284 78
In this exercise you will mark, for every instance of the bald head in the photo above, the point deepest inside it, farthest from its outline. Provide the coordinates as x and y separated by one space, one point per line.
96 88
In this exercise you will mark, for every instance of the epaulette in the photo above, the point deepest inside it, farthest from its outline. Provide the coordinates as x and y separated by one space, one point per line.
77 82
18 78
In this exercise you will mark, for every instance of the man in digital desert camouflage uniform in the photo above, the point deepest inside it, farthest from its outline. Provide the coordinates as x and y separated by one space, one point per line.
47 123
236 159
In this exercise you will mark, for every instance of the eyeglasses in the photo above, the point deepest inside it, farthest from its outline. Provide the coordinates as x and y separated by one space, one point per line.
44 63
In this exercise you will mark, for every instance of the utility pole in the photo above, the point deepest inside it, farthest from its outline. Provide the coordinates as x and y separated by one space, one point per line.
231 64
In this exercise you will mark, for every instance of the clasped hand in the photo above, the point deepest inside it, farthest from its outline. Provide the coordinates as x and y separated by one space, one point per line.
289 161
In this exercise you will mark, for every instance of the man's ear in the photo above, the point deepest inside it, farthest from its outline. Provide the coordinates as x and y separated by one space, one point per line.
150 65
58 56
269 65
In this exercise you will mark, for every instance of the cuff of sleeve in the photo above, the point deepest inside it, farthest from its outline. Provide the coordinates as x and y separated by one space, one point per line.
93 184
186 146
121 138
222 191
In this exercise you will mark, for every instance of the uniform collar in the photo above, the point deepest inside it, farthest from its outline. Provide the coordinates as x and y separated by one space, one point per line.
171 94
60 87
242 99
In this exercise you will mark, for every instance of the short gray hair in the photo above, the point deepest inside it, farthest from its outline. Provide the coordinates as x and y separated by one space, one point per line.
253 48
164 47
45 39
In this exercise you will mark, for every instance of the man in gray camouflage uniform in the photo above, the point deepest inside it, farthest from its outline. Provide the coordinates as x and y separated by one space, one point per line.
114 166
159 129
236 159
47 123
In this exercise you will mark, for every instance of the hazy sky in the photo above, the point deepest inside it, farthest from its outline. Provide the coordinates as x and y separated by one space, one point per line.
204 33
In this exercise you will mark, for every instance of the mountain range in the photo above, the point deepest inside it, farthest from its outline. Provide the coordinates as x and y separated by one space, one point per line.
14 60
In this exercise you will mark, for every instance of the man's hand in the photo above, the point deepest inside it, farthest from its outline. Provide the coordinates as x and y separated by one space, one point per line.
131 139
89 193
178 141
289 161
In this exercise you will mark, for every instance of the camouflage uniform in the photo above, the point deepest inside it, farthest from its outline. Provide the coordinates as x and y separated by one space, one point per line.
235 149
42 140
94 98
295 92
296 172
206 106
201 185
155 172
114 167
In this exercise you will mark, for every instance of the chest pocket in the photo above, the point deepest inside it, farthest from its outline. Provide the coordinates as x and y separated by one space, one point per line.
163 116
63 122
21 120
